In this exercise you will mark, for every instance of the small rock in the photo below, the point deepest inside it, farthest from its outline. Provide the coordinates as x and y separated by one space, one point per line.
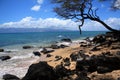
118 78
36 53
55 46
58 58
61 71
63 46
66 40
118 53
101 69
10 77
74 56
115 47
3 58
1 50
27 47
45 51
48 55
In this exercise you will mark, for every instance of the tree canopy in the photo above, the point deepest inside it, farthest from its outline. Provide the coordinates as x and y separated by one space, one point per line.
79 10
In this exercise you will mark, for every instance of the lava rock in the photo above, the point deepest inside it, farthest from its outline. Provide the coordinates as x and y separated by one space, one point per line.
99 39
66 62
3 58
1 50
66 40
61 71
74 56
45 51
36 53
10 77
82 76
101 69
27 47
48 55
63 46
40 71
58 58
55 46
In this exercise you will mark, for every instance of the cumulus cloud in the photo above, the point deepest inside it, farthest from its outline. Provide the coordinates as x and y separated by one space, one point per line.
29 22
39 1
117 4
36 8
55 23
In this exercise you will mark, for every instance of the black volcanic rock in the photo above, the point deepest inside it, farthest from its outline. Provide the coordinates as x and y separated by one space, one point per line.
102 63
3 58
27 47
45 51
40 71
55 46
66 40
36 53
1 50
61 71
10 77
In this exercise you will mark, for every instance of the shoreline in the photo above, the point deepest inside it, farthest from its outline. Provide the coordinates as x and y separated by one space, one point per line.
26 58
21 59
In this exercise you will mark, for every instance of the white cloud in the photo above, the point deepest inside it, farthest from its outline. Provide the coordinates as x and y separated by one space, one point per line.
29 22
117 4
36 8
55 23
39 1
93 25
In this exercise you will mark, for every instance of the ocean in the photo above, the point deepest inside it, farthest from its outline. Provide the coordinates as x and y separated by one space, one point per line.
15 40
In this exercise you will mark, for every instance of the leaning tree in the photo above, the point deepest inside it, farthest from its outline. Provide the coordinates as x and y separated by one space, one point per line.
79 10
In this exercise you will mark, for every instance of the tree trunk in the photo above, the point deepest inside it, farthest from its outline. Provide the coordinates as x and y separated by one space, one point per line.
105 25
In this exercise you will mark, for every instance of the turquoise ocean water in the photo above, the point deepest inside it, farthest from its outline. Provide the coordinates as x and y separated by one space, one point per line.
42 38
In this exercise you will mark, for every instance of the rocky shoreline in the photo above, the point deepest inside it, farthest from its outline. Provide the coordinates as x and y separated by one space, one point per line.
90 59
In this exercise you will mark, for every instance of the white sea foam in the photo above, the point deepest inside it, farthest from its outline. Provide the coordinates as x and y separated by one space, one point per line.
60 36
22 56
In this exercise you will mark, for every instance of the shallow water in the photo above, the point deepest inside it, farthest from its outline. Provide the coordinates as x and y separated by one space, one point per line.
19 62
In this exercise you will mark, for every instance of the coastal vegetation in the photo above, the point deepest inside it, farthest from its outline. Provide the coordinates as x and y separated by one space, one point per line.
80 10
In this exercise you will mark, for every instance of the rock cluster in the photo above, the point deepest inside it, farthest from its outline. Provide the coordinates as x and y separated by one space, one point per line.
85 64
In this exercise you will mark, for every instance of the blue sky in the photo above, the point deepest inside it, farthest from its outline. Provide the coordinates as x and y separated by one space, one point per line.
39 14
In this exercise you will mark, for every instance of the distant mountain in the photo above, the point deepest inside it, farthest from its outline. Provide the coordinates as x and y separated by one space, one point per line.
18 30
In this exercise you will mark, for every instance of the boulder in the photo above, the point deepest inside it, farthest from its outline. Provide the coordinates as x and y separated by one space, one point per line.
99 39
66 40
1 50
45 51
61 71
101 63
55 46
118 53
118 78
66 62
74 56
3 58
115 47
27 47
63 46
36 53
48 55
101 69
10 77
40 71
82 76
